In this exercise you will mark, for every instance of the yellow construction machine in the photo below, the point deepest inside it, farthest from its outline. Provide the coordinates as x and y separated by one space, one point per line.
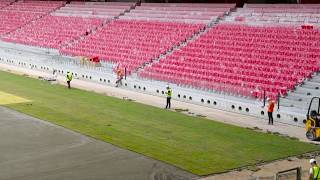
313 119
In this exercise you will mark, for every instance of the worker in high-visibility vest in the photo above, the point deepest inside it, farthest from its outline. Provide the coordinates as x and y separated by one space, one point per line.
314 173
270 110
69 79
120 75
169 95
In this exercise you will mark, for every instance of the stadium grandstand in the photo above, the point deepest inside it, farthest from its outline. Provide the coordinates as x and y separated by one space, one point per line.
229 55
249 53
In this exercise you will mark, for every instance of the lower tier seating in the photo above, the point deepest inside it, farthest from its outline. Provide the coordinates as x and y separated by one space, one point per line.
53 31
243 60
132 43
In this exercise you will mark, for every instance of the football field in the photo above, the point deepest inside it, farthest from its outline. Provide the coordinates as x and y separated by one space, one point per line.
195 144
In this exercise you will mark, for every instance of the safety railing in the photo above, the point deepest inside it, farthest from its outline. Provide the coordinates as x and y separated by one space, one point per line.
289 174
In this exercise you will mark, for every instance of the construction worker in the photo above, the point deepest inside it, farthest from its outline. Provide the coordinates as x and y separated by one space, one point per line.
314 173
169 94
270 110
120 75
54 75
69 79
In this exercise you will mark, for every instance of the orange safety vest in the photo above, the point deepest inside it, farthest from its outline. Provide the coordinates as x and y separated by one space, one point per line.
271 106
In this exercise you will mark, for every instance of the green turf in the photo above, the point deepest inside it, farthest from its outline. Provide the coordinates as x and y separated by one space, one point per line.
195 144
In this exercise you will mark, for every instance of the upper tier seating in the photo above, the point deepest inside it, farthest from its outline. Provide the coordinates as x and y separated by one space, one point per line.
4 3
94 9
243 60
10 21
34 6
132 43
295 14
283 6
187 13
20 13
53 31
206 5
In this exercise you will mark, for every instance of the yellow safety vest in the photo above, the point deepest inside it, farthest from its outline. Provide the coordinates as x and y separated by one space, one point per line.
169 93
316 171
69 77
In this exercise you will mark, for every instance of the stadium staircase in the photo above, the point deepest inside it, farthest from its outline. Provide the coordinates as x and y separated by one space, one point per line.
299 99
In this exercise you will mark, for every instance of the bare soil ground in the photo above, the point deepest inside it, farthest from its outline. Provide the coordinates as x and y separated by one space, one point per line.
267 171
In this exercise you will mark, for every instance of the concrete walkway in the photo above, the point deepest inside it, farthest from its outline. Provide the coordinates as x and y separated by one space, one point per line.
33 149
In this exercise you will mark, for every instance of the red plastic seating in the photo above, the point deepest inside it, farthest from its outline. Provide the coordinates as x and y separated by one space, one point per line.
132 43
244 60
4 3
20 13
53 31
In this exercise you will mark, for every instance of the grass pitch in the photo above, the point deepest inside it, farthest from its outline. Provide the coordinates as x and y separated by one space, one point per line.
195 144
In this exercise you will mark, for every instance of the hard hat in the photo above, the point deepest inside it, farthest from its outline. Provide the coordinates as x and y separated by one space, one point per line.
167 86
312 161
268 99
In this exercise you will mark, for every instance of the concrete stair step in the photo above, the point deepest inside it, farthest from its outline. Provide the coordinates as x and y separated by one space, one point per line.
312 83
316 80
297 97
311 86
307 91
293 101
298 100
297 107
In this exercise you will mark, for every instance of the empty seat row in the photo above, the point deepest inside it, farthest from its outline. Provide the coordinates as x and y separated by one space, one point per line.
198 13
281 6
214 5
131 4
164 19
101 9
283 14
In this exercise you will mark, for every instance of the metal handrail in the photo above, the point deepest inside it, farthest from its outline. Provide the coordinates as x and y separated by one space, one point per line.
298 169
